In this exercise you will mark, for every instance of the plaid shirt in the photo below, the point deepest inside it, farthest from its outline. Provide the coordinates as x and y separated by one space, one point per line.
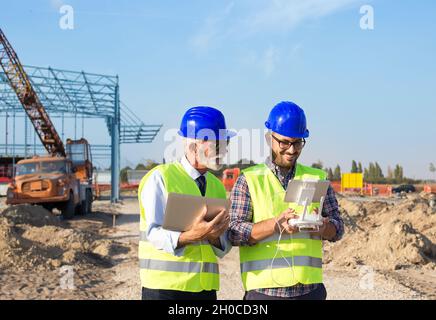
241 225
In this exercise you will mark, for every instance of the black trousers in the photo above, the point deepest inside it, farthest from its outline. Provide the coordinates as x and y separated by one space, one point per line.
159 294
319 293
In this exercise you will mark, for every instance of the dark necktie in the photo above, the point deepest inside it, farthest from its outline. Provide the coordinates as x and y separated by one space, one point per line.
201 183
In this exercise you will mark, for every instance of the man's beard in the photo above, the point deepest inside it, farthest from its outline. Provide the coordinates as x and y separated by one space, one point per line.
214 163
278 160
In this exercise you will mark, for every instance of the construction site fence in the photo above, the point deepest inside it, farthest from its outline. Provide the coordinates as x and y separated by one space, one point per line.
369 189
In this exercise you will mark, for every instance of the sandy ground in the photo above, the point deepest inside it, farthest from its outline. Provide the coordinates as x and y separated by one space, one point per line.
121 279
127 273
340 284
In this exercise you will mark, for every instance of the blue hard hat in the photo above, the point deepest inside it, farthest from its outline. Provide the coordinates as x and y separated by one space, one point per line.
204 123
288 119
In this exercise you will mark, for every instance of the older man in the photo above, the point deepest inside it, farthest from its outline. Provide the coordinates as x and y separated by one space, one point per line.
291 269
183 265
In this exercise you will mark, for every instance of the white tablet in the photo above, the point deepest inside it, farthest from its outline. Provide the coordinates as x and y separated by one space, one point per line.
181 210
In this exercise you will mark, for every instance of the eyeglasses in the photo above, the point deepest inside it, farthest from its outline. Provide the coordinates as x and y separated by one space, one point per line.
298 145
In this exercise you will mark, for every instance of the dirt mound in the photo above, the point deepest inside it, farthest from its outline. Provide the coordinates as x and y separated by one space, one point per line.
32 215
33 238
386 236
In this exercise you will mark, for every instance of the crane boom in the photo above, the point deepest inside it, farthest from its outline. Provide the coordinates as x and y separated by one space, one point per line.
28 97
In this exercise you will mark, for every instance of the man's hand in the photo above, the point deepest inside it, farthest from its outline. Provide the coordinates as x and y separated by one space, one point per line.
264 229
223 221
281 222
327 230
201 229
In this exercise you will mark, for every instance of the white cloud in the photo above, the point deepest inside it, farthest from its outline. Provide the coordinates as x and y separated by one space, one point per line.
262 16
211 31
268 17
56 4
270 59
283 15
264 61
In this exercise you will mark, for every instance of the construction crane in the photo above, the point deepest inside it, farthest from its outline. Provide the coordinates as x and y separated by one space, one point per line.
33 107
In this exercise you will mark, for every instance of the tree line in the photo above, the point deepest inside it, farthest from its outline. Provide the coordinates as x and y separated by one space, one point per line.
150 164
371 174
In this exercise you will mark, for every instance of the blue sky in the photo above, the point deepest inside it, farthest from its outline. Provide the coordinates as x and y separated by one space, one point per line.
368 95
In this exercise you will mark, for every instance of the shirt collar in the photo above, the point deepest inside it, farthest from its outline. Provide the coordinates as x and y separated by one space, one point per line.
276 169
192 172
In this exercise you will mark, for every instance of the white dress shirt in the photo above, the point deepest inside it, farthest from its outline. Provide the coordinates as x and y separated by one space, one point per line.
154 199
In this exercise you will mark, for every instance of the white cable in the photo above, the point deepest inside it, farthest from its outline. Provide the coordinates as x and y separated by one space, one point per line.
292 255
281 253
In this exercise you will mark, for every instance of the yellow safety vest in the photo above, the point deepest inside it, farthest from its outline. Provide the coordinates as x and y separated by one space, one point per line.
303 251
197 269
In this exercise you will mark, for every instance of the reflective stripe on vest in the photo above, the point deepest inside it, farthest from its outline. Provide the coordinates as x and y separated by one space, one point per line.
279 263
299 259
179 266
195 267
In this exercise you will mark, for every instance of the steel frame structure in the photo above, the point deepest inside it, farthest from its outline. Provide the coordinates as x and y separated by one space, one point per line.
65 93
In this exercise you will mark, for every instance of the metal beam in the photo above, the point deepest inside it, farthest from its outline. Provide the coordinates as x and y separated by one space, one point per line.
115 152
71 94
90 91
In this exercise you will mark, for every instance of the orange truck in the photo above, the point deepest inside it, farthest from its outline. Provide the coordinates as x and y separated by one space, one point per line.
64 183
230 176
